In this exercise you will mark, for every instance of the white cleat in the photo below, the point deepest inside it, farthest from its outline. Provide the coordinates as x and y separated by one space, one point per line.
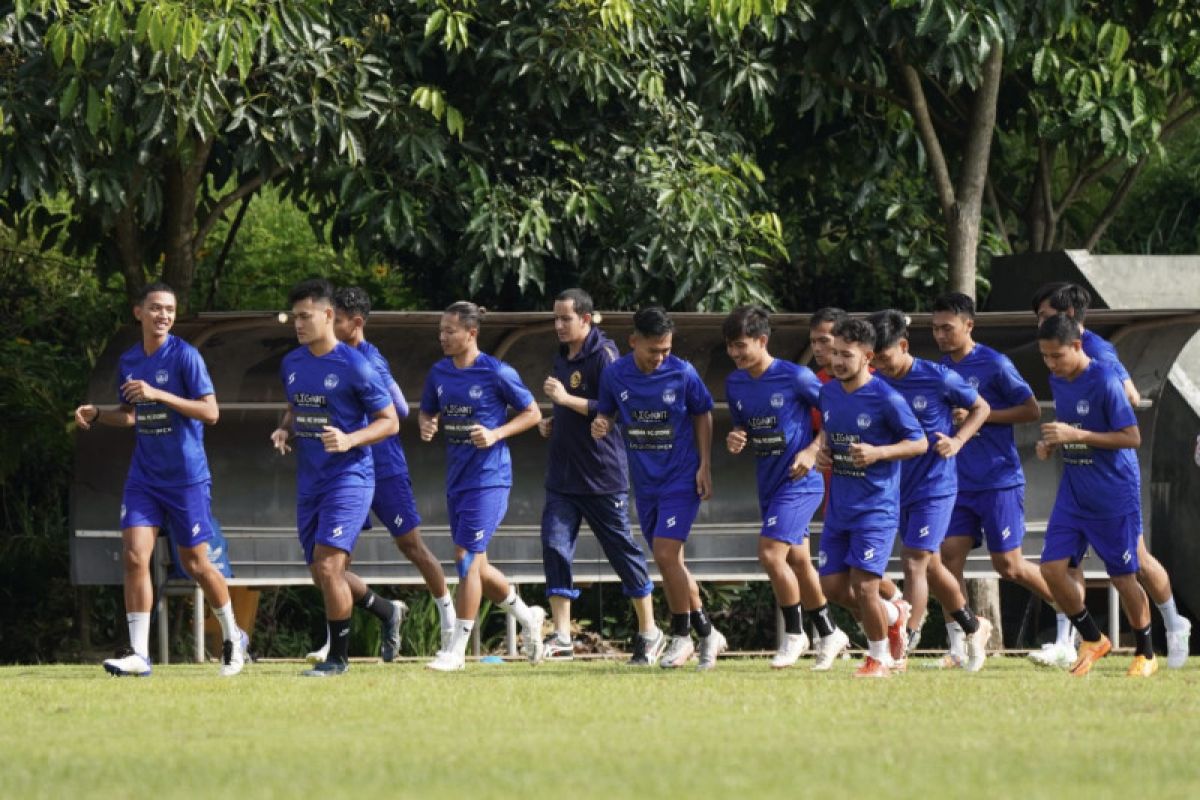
1177 645
535 647
830 648
711 646
233 655
1052 654
319 655
128 665
977 646
447 637
679 651
446 661
794 645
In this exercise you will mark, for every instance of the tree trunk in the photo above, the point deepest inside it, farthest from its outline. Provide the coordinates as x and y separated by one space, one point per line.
984 596
179 222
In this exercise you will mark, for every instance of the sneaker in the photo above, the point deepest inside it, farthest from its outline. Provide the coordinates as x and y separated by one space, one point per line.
1089 654
679 650
555 648
320 654
447 638
127 663
1142 667
977 645
949 661
1052 654
872 668
829 649
389 645
897 632
711 646
794 645
534 650
326 669
914 639
445 661
647 651
234 655
1177 645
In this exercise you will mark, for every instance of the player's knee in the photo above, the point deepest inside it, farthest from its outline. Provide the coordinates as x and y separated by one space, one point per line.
136 560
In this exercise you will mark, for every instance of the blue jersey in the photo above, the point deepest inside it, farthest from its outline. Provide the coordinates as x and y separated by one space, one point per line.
933 392
776 411
990 460
1100 349
339 389
476 395
169 448
862 498
655 413
388 454
1097 483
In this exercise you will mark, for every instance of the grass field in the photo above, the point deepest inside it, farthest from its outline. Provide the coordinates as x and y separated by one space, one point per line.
599 730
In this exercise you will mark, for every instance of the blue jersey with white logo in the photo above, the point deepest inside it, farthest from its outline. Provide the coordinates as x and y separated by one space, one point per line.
476 395
1100 349
388 454
864 497
776 411
339 389
1097 483
655 414
990 460
933 392
169 447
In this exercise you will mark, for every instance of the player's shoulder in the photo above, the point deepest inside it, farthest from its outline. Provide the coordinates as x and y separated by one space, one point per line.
296 354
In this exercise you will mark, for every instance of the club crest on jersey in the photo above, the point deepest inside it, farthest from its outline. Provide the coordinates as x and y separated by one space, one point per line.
161 377
668 396
291 378
920 403
1082 408
777 400
974 381
331 380
475 392
864 421
576 379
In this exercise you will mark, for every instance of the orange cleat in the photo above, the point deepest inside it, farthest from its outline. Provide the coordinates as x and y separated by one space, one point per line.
1089 654
898 631
872 668
1142 667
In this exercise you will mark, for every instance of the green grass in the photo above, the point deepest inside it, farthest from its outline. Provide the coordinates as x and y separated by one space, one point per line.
599 730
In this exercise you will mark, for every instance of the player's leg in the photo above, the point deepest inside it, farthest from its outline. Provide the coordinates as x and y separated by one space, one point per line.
773 555
390 613
395 505
830 640
137 549
874 622
1117 542
1153 577
835 586
561 518
1065 539
962 536
977 630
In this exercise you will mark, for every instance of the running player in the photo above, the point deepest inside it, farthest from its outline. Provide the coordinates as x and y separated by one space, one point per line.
868 428
1097 500
665 413
587 478
166 395
468 393
771 403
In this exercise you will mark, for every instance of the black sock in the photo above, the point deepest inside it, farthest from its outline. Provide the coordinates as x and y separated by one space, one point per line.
1144 646
377 606
700 623
966 620
679 624
791 619
339 639
821 619
1086 626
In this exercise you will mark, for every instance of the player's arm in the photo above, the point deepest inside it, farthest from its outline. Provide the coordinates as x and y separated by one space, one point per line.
88 415
735 442
806 459
702 427
525 419
398 399
428 424
384 423
283 432
1056 433
203 408
1017 415
1131 392
558 394
977 414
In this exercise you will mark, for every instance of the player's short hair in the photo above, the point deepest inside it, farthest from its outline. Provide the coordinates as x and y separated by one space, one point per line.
1063 297
652 322
352 301
826 314
890 327
749 321
1059 328
956 303
580 300
856 331
315 289
469 315
151 288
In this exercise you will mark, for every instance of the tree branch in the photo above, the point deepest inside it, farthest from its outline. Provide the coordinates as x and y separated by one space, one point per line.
998 213
1114 203
218 210
929 139
973 177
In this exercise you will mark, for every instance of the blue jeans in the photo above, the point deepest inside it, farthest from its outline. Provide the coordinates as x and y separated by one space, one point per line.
608 517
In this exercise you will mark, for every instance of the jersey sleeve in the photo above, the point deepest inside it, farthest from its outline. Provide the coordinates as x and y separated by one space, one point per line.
735 414
1011 387
956 391
430 403
606 402
389 383
196 380
696 394
1117 410
1105 352
901 418
512 390
808 387
369 387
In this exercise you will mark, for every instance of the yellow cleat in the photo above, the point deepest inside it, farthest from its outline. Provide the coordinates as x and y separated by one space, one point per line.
1089 654
1142 667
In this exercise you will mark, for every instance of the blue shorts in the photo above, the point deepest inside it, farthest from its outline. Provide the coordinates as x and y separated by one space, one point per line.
395 504
1115 540
924 522
475 515
787 515
998 514
187 510
868 550
333 518
670 517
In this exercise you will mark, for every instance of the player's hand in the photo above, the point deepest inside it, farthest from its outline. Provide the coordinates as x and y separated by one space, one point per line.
735 442
947 446
554 389
600 427
335 441
279 440
958 416
546 427
824 459
802 464
483 437
704 482
85 415
1043 449
139 392
1060 433
863 455
429 427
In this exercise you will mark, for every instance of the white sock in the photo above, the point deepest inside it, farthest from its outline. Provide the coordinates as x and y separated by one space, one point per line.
879 650
958 639
513 604
1170 615
139 632
892 612
1062 630
229 628
462 635
445 607
650 633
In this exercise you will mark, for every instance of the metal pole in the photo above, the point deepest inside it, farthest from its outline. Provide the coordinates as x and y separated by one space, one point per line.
161 607
1114 615
476 647
198 622
779 627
